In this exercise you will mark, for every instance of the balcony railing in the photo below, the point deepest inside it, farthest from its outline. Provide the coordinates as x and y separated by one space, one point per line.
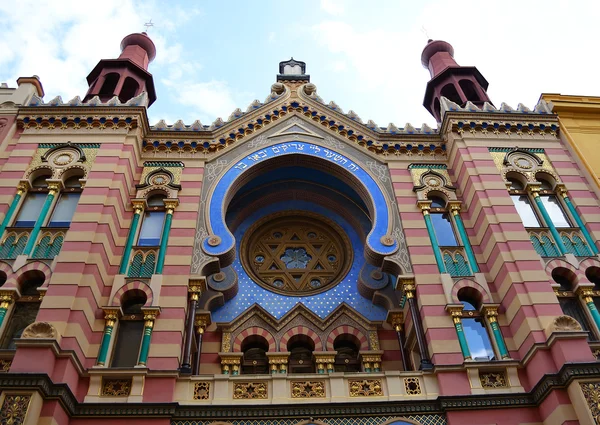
546 246
13 243
49 244
455 260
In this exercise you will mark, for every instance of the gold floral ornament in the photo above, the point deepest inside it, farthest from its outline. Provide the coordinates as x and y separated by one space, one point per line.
116 387
366 388
250 390
296 253
591 392
493 379
201 390
14 409
308 389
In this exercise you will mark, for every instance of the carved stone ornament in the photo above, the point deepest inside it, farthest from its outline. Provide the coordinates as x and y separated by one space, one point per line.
564 324
39 330
14 409
591 392
365 388
308 389
202 391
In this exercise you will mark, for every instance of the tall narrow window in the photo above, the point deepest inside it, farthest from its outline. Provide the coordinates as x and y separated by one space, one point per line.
476 332
552 204
25 309
442 223
67 203
34 201
152 225
131 328
522 203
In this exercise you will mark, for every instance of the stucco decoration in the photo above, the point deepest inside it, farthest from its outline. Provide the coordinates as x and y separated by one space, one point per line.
39 330
370 179
564 324
526 162
60 158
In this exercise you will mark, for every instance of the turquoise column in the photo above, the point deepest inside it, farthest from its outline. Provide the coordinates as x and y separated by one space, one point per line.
464 238
492 313
164 240
130 237
575 215
110 316
586 295
11 210
40 220
462 339
549 223
148 326
436 248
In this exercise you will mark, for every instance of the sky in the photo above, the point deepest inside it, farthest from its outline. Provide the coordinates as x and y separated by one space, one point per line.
215 56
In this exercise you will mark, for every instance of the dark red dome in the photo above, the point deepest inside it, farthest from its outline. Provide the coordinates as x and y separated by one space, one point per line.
433 47
142 40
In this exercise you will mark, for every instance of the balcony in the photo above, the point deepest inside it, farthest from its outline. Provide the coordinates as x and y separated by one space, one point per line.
545 244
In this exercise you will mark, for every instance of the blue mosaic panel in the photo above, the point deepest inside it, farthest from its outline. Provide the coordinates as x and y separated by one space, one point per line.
321 304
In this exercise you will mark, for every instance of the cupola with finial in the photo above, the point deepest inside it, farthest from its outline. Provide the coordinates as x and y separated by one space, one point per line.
127 76
292 70
460 84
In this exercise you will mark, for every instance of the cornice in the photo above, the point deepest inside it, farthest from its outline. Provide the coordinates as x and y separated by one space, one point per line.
533 398
504 124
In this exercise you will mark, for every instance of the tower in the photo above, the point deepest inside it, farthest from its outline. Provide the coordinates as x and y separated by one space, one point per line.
127 76
460 84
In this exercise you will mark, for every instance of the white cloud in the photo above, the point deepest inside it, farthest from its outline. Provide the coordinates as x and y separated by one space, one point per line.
333 7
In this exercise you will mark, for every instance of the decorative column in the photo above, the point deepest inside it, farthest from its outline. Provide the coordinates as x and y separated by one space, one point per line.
456 313
396 319
278 362
149 317
324 361
53 187
21 188
535 192
194 294
408 287
110 317
201 322
138 207
6 299
425 208
230 363
170 205
371 360
586 296
455 209
590 241
491 313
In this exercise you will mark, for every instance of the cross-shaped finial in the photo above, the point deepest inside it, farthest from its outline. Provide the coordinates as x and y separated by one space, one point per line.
148 25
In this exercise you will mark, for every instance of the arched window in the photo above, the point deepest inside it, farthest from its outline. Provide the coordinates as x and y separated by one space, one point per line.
569 301
152 225
25 309
346 359
34 201
255 359
522 203
129 90
131 328
67 203
475 329
442 222
110 84
468 88
450 93
552 204
301 350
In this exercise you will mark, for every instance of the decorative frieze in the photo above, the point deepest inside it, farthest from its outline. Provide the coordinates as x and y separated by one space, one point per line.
250 390
116 387
591 392
5 365
412 386
308 389
365 388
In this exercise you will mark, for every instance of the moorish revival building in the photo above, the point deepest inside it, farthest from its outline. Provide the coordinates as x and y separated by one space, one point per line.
293 264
